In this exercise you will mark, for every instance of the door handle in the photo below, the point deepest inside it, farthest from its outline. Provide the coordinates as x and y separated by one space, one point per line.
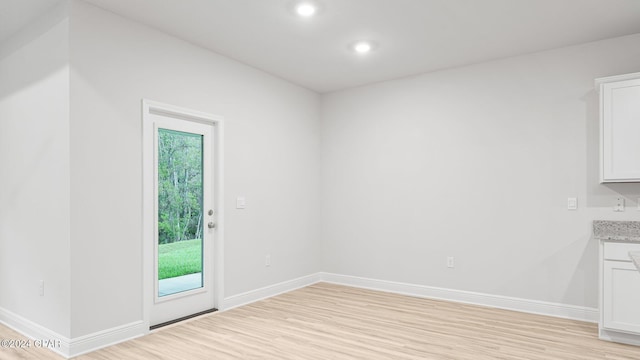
211 225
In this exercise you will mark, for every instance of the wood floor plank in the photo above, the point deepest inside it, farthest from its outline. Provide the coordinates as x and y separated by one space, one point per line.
327 321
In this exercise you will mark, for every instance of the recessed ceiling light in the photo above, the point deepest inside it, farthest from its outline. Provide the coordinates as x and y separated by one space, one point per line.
363 47
306 9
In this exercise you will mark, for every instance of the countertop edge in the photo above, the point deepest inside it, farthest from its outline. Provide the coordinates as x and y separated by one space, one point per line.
622 239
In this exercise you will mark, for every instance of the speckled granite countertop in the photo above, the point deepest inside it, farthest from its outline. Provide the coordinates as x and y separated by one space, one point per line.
635 257
617 230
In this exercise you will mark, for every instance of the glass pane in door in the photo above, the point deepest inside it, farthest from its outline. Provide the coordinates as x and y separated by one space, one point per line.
180 211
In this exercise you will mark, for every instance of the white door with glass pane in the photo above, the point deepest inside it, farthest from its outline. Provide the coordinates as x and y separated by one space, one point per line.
183 216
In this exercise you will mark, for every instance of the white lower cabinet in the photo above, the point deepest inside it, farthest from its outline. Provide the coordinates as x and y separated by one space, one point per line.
620 294
621 302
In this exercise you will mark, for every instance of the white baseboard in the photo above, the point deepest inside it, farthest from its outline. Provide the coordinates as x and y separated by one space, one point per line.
495 301
268 291
34 331
619 337
91 342
468 297
72 347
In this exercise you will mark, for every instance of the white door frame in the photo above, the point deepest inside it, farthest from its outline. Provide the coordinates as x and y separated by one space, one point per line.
148 263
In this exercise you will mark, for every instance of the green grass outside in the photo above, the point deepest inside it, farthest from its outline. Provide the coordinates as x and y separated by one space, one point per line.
179 258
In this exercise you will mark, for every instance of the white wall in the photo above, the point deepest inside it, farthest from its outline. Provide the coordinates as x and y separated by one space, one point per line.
475 163
271 157
34 175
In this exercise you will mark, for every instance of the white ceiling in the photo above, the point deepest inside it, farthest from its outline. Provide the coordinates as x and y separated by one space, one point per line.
15 14
414 36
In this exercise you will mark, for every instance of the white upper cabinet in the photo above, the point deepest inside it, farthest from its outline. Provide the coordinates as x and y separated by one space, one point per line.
620 128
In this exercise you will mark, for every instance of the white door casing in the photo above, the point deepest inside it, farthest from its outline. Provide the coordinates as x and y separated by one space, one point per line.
158 309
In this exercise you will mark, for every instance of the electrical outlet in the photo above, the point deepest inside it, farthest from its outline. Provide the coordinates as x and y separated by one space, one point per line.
450 262
41 288
267 261
619 205
572 203
638 204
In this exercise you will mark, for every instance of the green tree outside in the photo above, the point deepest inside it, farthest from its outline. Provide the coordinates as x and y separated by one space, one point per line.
179 186
179 203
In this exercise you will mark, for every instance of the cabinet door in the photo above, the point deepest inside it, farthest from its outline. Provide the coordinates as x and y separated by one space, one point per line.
621 297
620 131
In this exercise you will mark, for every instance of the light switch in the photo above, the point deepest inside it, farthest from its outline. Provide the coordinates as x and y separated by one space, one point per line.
572 203
241 202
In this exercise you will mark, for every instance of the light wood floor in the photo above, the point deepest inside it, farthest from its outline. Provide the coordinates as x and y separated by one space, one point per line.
326 321
23 353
